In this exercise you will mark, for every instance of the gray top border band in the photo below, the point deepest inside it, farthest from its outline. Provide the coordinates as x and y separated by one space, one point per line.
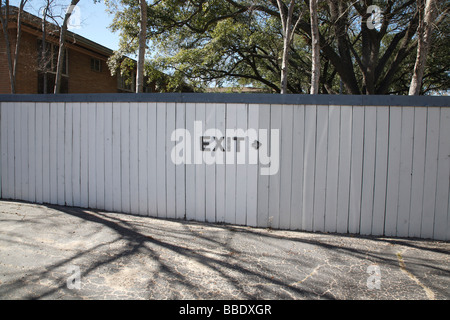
247 98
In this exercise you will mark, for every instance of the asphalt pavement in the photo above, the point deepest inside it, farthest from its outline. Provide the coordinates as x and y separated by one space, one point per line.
55 252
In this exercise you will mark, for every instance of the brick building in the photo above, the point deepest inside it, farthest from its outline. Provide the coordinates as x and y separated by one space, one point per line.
85 69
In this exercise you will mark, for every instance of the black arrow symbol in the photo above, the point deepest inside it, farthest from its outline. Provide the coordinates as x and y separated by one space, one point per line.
256 144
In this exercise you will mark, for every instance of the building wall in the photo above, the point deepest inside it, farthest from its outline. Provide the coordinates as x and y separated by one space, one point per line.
81 78
84 80
4 75
26 79
27 73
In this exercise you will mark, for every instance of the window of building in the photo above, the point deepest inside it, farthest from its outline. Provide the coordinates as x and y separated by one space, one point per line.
125 83
49 78
96 65
47 64
48 61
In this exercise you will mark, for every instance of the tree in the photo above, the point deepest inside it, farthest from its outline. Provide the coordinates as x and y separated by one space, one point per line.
288 27
12 59
427 14
18 37
131 18
4 18
142 46
242 42
370 60
315 46
44 58
62 39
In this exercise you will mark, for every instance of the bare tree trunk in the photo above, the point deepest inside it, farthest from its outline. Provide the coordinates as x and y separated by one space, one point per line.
4 18
425 30
43 63
18 36
284 66
142 45
288 34
315 45
62 39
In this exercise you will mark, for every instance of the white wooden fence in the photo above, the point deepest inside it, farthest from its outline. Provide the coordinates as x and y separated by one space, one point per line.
371 170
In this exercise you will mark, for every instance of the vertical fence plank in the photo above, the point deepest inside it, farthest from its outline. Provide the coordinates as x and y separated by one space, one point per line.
31 151
297 167
404 200
161 158
134 158
368 178
100 155
356 169
180 170
321 169
395 129
16 163
241 168
8 119
18 151
143 158
125 156
209 159
200 167
76 154
286 165
46 152
443 177
151 147
54 151
274 180
190 167
345 150
68 155
3 148
109 196
418 170
24 150
117 155
92 178
252 168
170 166
381 159
84 155
334 119
263 180
309 167
7 150
39 109
221 166
230 158
60 151
11 150
430 178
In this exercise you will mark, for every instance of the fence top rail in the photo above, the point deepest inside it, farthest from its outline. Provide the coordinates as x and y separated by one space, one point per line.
247 98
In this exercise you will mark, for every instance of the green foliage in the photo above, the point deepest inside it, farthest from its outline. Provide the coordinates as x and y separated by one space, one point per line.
239 43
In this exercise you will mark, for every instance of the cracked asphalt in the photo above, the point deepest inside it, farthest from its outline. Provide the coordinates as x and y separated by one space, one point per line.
121 256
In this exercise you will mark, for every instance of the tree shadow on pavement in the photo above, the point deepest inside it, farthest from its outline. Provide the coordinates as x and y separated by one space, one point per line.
166 259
